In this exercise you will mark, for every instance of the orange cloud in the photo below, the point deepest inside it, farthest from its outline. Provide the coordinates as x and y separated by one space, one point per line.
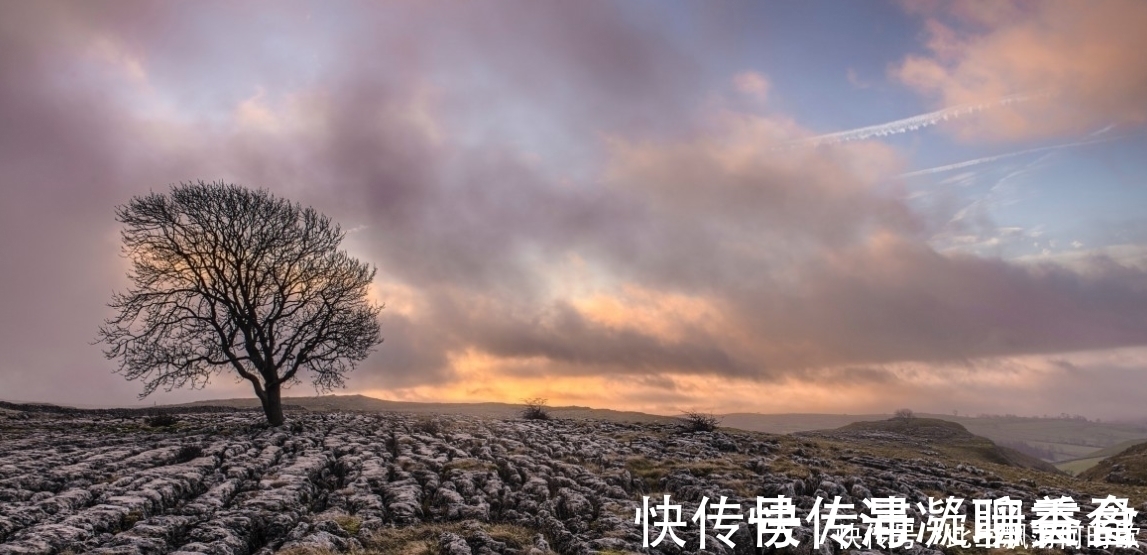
1076 383
1080 61
666 315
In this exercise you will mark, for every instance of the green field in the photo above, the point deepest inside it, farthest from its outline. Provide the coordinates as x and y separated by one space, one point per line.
1075 466
1078 465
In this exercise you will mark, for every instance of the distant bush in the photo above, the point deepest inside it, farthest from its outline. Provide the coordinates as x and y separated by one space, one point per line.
430 426
131 518
904 414
535 409
188 453
695 421
162 420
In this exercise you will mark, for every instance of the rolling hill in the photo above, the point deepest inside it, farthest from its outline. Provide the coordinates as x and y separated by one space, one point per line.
940 436
1051 439
1055 440
1126 467
362 403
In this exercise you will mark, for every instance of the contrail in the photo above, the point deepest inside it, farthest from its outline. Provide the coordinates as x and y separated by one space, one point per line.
907 124
987 159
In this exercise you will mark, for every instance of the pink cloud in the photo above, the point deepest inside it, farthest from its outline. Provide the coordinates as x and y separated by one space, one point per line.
753 84
790 267
1081 59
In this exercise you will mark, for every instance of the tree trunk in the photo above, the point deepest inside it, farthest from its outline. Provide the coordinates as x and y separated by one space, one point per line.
273 405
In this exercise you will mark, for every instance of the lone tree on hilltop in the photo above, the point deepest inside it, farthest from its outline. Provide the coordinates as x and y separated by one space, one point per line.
534 408
224 276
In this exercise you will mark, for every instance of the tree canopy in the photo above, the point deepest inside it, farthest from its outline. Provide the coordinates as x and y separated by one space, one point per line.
228 277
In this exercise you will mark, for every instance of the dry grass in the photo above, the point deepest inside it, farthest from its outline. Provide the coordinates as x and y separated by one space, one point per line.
1132 464
469 464
986 551
423 539
350 524
306 551
652 471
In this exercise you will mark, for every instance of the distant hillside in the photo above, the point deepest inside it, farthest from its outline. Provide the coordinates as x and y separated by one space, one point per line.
1077 466
1051 439
949 438
1065 438
789 423
1127 467
1117 449
363 403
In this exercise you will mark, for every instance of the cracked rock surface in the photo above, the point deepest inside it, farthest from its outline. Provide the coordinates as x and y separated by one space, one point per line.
221 483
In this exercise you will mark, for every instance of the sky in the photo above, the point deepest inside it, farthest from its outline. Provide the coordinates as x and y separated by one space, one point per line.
656 206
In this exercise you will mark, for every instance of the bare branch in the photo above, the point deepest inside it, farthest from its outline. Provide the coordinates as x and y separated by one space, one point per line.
226 277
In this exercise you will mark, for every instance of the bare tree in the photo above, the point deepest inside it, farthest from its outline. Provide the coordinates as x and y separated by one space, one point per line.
904 414
227 277
535 409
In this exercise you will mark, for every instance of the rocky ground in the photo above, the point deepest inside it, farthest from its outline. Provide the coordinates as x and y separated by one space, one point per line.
221 483
1128 467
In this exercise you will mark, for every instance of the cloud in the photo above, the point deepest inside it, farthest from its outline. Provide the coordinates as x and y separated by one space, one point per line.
1092 383
359 141
753 84
554 201
1086 53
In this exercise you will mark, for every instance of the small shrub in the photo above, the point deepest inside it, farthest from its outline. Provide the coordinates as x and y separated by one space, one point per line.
131 518
350 524
188 453
535 409
162 420
904 414
695 421
430 426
